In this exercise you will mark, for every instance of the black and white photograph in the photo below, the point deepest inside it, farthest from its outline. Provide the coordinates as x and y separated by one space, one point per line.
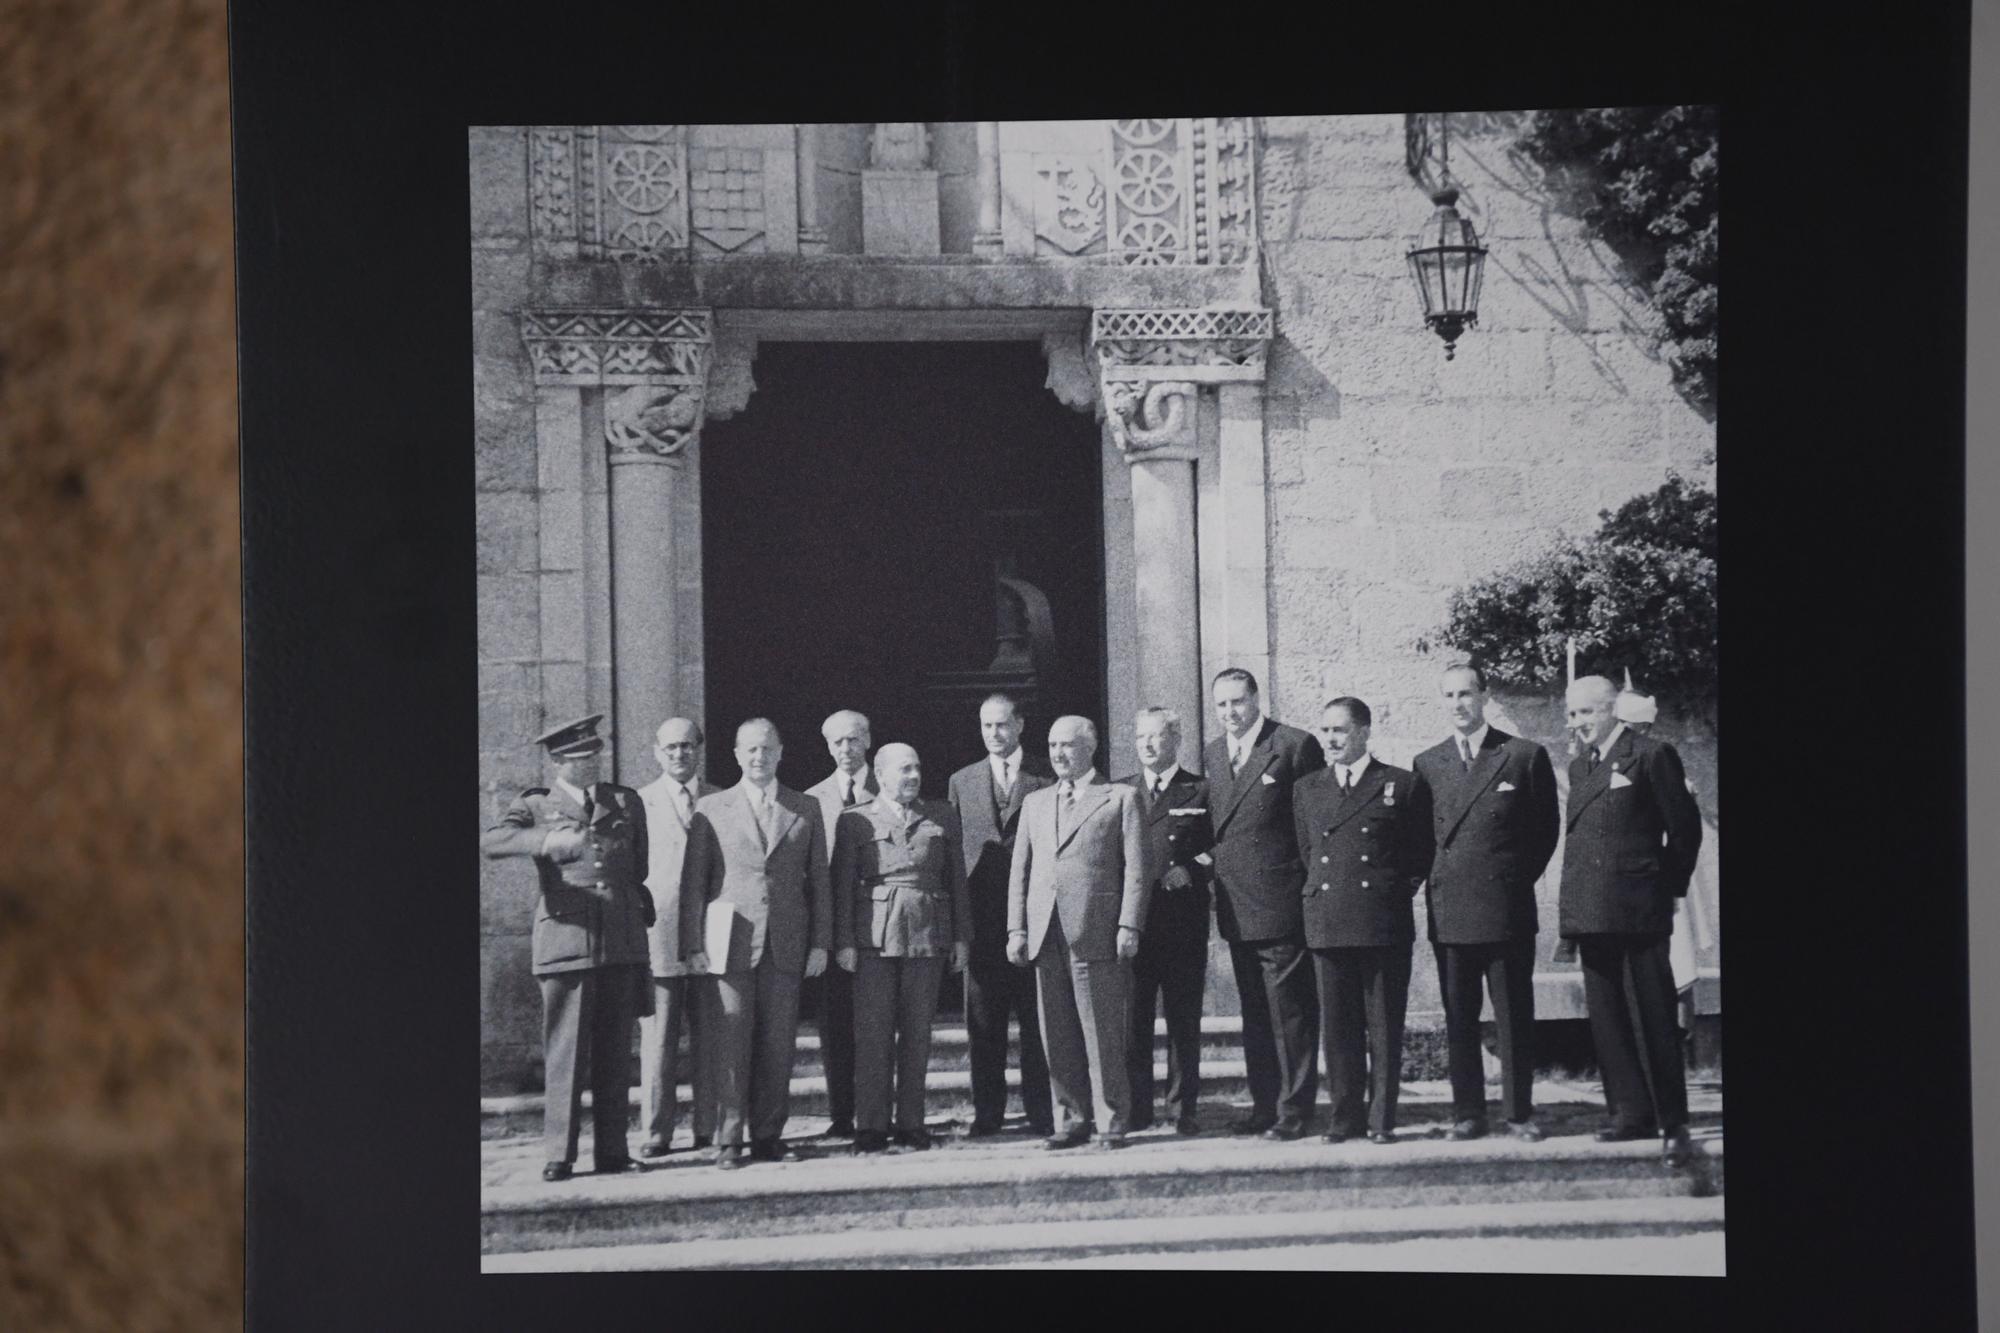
1125 693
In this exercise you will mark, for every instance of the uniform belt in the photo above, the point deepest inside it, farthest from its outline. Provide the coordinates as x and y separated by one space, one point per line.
900 881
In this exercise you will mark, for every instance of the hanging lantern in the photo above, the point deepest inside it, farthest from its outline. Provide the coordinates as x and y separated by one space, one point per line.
1446 259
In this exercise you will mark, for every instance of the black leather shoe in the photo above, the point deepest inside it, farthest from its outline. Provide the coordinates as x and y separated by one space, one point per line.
653 1148
1526 1130
1337 1136
617 1166
730 1159
1678 1150
557 1171
772 1150
982 1129
1187 1126
1108 1142
1623 1134
1381 1136
1286 1131
704 1141
1076 1138
916 1140
1043 1129
868 1141
1138 1125
840 1129
1252 1124
1467 1129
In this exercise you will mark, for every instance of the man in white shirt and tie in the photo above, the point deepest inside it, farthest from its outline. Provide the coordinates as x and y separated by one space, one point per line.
1076 904
852 783
987 795
669 803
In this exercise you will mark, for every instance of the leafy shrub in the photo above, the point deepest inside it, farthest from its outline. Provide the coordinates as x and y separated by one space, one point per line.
1639 594
1649 177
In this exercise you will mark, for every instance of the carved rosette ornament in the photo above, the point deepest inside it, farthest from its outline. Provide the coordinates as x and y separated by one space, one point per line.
653 365
1151 365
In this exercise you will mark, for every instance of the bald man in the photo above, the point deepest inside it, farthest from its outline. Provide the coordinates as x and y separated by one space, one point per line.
756 914
1633 833
851 783
1076 904
670 803
901 913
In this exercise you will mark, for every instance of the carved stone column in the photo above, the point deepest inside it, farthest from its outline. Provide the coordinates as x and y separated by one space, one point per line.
649 371
987 240
812 237
1152 366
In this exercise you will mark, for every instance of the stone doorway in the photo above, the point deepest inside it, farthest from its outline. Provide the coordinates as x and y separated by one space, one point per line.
900 528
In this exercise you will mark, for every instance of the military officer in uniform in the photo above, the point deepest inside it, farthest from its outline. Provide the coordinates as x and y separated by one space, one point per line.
669 803
1634 831
1172 962
1364 834
901 913
588 841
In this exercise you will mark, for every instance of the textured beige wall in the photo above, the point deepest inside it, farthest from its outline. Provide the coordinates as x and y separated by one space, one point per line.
121 909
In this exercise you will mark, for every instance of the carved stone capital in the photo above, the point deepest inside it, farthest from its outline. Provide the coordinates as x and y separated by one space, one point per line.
1206 346
1151 418
647 424
591 348
1151 365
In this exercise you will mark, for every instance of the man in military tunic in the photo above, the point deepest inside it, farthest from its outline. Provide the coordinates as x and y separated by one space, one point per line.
588 841
901 911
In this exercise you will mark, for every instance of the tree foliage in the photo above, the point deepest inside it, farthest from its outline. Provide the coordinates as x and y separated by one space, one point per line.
1650 178
1639 594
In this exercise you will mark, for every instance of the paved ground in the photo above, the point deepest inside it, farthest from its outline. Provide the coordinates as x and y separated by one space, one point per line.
1563 1108
1699 1255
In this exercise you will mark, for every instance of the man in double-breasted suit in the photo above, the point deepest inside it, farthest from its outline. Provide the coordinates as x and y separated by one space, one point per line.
588 841
900 916
1633 833
1258 879
1076 904
851 783
988 796
1173 947
670 802
1494 824
756 914
1364 833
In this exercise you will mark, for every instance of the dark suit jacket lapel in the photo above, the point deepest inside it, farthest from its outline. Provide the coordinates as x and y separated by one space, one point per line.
1485 768
1371 782
1177 782
605 807
1595 784
1261 754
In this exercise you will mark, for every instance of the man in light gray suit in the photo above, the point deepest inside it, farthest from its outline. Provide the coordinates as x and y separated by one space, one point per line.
669 806
851 783
757 915
1076 902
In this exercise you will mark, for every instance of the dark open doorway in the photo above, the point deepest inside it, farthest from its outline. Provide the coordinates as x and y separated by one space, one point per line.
900 528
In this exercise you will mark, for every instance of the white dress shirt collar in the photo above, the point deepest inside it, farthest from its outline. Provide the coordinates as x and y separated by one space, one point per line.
759 796
1611 741
1347 775
1156 783
1005 769
1477 739
570 790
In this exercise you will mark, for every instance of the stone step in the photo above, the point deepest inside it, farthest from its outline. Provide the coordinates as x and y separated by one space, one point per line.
1053 1242
1156 1177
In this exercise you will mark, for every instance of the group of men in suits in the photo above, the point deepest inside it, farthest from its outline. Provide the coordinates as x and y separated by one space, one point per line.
1073 905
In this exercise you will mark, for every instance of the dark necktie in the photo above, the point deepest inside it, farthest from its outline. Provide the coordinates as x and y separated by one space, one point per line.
1465 753
848 800
1347 784
1594 758
589 804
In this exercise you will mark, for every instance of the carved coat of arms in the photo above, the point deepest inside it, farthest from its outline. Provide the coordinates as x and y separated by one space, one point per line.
1069 203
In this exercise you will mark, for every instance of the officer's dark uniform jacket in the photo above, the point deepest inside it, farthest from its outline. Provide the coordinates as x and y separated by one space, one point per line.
594 905
1634 830
1365 853
900 888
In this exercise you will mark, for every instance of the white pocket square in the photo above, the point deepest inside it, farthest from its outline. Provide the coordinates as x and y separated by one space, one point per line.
1505 786
1619 780
1267 778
